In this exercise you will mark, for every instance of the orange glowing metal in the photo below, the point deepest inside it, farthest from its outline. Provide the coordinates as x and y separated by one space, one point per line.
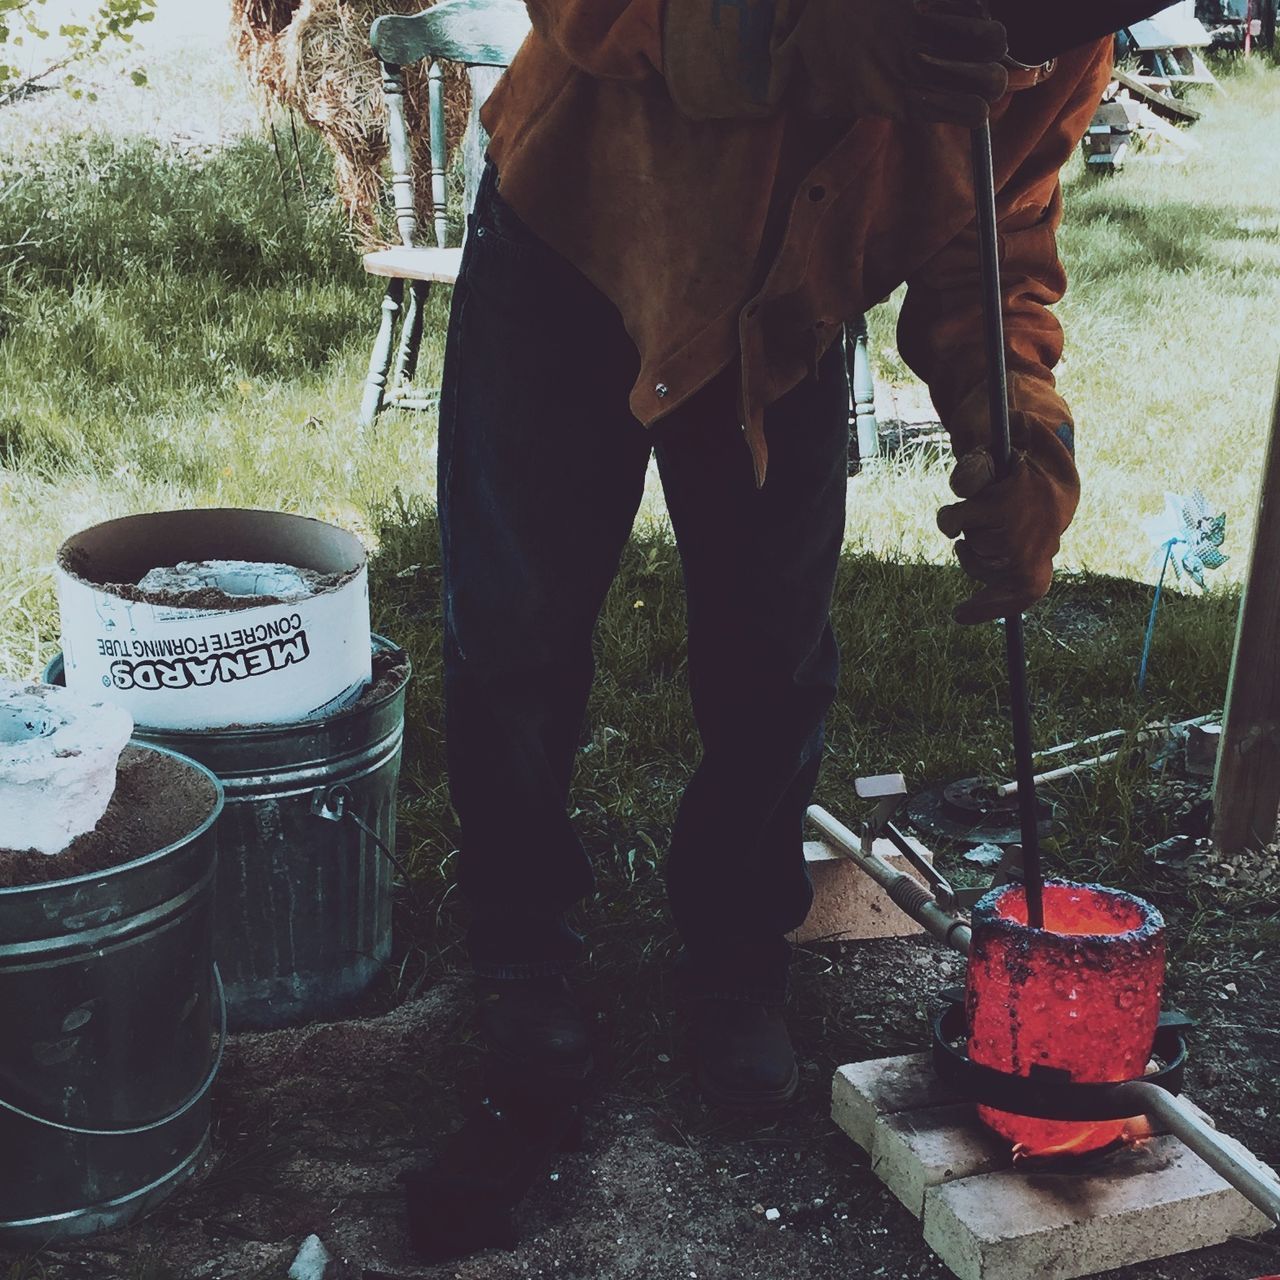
1137 1131
1081 995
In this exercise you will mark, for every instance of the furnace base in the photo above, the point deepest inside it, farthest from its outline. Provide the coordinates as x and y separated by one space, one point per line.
988 1221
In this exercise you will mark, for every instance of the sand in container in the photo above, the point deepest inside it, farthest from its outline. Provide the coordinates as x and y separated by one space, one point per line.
213 619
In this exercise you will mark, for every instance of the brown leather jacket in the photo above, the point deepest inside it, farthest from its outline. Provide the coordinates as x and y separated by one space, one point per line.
635 138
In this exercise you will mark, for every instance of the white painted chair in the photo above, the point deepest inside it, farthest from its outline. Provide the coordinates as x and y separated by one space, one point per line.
483 36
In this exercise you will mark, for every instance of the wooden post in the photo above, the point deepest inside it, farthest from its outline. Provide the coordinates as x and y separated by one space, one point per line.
1246 793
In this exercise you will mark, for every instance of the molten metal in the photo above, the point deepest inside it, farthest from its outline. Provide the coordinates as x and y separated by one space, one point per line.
1081 995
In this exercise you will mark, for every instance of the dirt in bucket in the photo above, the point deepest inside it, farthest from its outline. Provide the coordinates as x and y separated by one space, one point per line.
75 561
390 671
157 801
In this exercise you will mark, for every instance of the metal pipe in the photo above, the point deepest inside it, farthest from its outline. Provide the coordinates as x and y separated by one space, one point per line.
1232 1161
1238 1165
1056 775
1080 742
1150 734
984 194
905 891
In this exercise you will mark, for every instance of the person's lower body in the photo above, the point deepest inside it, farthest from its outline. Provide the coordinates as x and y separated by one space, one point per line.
542 469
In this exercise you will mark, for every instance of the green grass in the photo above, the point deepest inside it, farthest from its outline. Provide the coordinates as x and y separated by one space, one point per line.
178 331
173 334
191 331
916 695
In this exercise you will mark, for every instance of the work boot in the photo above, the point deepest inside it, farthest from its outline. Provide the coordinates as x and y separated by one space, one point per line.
535 1025
743 1055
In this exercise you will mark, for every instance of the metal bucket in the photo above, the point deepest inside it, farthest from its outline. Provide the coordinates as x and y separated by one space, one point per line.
106 1058
304 894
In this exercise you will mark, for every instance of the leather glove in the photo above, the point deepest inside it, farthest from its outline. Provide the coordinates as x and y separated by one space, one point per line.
933 60
1009 530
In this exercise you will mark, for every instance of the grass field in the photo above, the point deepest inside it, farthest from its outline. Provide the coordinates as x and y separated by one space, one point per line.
1171 320
183 326
190 329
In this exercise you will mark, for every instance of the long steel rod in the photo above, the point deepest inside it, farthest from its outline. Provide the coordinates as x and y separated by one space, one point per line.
905 891
984 192
1150 734
1238 1165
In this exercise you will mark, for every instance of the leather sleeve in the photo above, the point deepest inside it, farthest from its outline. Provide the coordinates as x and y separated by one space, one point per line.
940 332
613 39
718 56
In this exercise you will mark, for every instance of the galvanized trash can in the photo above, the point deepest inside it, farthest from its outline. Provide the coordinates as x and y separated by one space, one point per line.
304 891
107 999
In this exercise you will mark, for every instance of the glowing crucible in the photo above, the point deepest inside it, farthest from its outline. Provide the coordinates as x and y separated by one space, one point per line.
1081 995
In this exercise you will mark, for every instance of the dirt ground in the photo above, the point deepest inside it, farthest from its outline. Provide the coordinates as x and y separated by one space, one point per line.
315 1126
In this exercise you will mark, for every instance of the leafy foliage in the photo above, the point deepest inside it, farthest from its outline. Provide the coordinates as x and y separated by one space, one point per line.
110 23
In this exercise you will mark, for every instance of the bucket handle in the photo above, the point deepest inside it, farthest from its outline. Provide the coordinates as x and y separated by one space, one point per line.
152 1125
334 804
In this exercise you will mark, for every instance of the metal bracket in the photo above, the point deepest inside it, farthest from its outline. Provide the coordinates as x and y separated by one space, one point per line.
1048 1093
330 803
333 805
889 790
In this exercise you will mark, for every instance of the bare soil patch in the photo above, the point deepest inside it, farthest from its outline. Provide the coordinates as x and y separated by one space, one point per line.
316 1125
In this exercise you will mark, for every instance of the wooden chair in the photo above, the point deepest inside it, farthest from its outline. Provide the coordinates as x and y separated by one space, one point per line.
483 36
864 431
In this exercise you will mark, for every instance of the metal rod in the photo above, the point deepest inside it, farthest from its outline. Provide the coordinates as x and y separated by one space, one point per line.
1156 727
1080 742
984 192
1056 775
1151 619
1239 1166
905 891
1150 734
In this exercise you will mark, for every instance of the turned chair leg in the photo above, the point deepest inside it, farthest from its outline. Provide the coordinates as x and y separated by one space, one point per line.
375 387
862 389
411 335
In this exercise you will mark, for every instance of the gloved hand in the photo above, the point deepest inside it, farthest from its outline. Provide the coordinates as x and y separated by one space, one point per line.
934 60
1009 530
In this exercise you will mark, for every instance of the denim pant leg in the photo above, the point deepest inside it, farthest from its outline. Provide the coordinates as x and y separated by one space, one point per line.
542 469
759 568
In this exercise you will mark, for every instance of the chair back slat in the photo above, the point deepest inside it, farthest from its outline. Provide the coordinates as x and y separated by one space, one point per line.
483 36
476 33
401 155
439 154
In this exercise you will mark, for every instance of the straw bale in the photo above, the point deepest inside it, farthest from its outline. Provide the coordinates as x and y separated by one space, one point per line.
313 57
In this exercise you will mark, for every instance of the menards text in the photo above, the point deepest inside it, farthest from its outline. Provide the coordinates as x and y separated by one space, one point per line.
220 668
201 646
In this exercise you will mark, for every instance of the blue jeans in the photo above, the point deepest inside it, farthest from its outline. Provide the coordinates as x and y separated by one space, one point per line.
542 469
